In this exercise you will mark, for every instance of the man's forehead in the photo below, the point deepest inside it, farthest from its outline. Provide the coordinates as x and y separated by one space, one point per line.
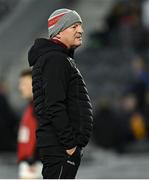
77 23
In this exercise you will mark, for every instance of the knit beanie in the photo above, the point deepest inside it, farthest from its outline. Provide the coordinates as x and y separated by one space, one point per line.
60 20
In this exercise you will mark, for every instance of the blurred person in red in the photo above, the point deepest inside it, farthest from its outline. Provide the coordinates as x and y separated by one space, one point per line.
29 165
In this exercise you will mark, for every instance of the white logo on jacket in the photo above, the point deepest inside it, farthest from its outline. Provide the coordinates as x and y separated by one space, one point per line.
71 162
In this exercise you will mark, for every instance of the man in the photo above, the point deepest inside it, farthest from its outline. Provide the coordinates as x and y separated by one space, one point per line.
29 165
61 100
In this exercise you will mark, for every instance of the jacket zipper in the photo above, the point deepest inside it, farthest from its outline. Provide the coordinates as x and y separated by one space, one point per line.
60 172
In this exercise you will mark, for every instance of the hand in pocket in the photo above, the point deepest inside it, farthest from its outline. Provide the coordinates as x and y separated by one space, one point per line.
71 151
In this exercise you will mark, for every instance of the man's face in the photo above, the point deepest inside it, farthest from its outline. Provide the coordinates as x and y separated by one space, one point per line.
72 36
25 87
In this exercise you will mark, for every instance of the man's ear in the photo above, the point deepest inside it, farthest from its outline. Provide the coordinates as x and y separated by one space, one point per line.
58 36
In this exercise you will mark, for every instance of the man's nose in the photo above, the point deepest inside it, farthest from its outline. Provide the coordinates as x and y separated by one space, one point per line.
80 29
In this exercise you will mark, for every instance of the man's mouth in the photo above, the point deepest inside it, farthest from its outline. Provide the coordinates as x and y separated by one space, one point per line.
79 37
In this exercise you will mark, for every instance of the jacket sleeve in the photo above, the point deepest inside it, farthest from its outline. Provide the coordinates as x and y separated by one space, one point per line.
57 74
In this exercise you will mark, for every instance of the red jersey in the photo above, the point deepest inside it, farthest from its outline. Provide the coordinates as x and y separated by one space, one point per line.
26 135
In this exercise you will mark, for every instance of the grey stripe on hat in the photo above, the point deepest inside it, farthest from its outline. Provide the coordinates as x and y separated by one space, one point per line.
65 21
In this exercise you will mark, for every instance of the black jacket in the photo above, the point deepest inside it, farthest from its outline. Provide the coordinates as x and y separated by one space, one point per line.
61 100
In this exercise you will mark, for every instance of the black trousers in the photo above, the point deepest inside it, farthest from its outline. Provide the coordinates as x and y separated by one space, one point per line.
57 164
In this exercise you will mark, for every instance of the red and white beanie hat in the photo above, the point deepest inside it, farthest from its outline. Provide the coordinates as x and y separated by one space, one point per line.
60 20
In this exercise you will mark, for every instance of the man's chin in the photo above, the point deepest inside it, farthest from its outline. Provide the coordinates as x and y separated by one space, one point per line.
78 44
